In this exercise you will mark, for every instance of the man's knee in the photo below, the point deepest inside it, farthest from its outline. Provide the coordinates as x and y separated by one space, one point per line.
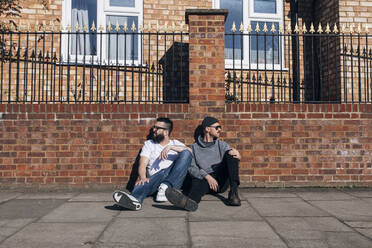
185 154
229 158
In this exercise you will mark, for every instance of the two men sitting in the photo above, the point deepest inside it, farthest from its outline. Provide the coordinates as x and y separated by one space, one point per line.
164 163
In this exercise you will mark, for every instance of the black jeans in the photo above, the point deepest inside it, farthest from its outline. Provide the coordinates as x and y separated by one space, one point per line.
226 174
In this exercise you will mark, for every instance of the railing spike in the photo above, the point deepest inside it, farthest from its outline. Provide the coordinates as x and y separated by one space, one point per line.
351 29
93 28
133 28
304 29
273 29
36 26
181 27
312 29
335 29
101 28
140 28
343 29
296 29
117 26
249 28
328 29
77 28
68 28
366 28
289 28
320 29
173 27
241 28
281 29
359 29
109 28
125 27
265 29
233 27
257 28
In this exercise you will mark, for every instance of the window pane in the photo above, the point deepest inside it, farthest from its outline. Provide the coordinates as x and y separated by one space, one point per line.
122 3
233 44
123 45
265 6
83 12
264 48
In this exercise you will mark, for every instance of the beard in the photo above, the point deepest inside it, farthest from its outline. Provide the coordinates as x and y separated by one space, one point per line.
159 138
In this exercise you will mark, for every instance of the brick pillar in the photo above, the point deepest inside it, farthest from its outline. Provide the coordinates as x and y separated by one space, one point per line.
207 60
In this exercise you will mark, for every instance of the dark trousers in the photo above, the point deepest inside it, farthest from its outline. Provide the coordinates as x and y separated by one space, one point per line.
226 174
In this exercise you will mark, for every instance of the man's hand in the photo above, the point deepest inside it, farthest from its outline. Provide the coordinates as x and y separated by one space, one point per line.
233 152
213 184
164 153
142 181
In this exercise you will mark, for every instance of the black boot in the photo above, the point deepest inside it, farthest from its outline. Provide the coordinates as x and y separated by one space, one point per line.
233 199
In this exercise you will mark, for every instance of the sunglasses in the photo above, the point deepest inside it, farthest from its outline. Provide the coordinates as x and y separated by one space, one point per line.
216 127
157 128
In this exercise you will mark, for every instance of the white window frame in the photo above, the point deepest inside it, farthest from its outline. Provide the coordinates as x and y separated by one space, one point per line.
248 17
103 10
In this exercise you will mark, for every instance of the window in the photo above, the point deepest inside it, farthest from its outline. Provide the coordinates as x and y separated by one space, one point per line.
253 49
111 45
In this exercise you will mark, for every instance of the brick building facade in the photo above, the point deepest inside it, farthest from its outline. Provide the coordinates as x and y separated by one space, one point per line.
282 144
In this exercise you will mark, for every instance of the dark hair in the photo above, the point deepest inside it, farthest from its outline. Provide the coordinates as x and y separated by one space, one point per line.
168 123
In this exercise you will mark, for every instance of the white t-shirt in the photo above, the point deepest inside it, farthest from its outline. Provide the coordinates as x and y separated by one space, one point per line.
152 150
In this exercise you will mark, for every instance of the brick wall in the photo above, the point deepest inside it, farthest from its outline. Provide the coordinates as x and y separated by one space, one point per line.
96 145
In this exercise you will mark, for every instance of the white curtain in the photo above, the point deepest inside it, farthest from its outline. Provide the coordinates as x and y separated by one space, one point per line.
123 44
79 15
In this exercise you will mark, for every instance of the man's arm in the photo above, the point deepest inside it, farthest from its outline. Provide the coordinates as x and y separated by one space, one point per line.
142 171
164 153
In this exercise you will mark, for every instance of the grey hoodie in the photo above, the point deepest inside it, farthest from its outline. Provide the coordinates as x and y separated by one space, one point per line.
205 155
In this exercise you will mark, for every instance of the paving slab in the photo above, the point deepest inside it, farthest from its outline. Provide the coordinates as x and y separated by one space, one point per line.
356 210
6 196
146 232
249 195
217 210
248 234
10 226
46 235
306 228
19 209
366 232
360 193
93 196
284 207
150 209
80 212
49 195
325 196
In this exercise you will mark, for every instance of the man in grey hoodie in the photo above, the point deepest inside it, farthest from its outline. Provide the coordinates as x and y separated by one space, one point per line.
214 167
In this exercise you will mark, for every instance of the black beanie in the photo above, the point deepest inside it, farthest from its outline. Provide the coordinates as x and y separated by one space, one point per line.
208 121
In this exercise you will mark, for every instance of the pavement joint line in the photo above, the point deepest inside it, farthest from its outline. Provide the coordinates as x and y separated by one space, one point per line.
109 223
340 220
13 198
269 224
32 222
188 231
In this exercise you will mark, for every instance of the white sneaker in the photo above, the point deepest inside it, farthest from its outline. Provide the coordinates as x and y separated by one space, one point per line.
126 200
160 197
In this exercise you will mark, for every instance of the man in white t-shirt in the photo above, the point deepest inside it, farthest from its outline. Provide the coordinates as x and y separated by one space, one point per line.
163 163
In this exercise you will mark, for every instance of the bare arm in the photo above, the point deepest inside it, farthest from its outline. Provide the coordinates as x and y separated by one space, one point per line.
142 171
164 153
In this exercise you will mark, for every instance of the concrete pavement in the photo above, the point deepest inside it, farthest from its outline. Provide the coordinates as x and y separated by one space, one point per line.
278 218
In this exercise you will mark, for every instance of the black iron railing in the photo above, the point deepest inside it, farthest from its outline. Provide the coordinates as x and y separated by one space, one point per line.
94 66
264 65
